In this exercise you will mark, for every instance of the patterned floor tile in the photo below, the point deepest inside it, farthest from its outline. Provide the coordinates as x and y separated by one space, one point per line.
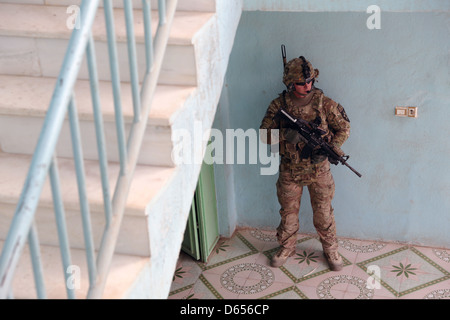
261 240
344 286
372 281
220 268
405 270
290 292
229 250
184 293
442 254
247 278
309 292
323 290
263 293
240 278
439 256
438 291
186 274
206 288
359 250
438 294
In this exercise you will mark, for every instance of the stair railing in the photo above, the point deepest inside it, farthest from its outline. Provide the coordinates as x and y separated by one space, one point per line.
44 160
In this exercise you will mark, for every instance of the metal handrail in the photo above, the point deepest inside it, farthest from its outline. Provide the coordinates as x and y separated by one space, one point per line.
44 161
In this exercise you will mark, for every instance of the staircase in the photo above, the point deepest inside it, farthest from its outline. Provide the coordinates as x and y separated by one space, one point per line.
33 40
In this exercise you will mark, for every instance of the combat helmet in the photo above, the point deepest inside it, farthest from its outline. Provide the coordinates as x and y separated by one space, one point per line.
299 70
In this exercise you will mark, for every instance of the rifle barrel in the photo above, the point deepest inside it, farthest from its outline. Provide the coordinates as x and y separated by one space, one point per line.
356 172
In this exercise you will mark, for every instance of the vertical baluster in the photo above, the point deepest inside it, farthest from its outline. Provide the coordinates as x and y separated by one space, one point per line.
115 80
162 12
98 120
84 205
128 7
61 224
147 12
36 261
109 238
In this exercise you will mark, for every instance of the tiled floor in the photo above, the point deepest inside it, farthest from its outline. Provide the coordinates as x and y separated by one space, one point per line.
239 268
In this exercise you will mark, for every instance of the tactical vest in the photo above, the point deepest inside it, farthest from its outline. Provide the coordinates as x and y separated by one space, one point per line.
309 112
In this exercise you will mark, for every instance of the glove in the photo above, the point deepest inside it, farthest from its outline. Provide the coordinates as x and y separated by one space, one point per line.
318 156
338 151
292 136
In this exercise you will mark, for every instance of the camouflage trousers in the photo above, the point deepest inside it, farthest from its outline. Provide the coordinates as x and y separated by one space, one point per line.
321 188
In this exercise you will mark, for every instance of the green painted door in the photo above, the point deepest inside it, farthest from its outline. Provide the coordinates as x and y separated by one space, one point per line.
202 230
190 243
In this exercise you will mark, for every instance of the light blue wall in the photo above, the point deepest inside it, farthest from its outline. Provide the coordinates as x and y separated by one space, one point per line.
404 194
345 5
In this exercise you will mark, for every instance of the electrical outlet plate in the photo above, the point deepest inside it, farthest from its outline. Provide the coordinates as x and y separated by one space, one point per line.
406 112
412 112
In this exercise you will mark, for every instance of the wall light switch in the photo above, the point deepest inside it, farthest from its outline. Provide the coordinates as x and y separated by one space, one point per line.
401 111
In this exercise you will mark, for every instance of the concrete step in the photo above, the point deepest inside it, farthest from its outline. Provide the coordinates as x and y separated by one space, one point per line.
35 37
183 5
124 271
133 238
25 101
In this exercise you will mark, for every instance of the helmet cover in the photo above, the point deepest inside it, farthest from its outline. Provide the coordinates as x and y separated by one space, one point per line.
299 70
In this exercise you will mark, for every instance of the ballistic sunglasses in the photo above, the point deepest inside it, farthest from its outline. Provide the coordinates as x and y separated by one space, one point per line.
308 81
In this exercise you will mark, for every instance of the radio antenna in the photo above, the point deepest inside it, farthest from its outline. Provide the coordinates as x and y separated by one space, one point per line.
283 54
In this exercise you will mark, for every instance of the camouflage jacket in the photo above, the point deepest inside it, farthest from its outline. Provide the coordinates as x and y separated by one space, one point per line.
334 121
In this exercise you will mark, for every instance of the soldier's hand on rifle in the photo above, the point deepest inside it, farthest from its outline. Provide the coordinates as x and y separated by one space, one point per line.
338 151
318 156
292 136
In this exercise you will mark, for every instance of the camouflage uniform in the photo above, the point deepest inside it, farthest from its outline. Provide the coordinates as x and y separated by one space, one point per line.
313 172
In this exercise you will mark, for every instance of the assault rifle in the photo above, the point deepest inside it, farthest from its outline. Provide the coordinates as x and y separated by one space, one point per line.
311 134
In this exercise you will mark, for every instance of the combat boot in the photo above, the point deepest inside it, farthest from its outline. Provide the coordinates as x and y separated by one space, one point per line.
334 260
281 256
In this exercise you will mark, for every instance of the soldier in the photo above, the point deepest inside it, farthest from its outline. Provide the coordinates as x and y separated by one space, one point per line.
312 169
